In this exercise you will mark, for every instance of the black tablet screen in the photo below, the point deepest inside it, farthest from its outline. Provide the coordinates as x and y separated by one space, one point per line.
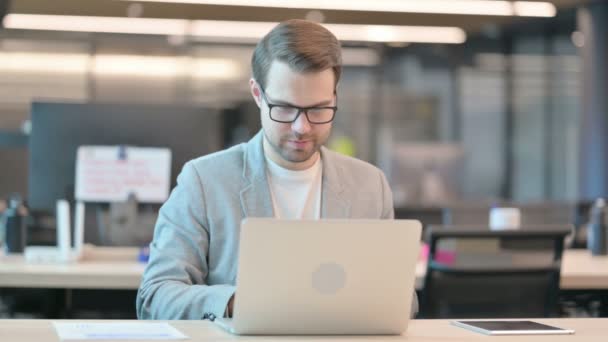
510 325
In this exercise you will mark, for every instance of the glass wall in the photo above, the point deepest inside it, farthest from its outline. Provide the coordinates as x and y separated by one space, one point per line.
495 121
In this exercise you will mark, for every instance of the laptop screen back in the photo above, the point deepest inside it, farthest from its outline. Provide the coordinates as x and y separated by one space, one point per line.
326 276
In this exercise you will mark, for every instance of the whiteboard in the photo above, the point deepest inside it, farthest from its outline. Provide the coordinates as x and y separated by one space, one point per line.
112 173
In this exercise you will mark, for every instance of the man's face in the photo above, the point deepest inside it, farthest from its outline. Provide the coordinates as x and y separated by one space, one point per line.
295 144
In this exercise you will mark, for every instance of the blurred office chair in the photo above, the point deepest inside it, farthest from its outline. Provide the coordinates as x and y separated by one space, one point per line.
488 277
426 215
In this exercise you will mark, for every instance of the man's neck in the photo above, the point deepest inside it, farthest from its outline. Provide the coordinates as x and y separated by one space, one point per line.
277 159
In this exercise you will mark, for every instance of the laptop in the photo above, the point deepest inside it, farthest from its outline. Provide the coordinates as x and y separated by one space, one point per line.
324 277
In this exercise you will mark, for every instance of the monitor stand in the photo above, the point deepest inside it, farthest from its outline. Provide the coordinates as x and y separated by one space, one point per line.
125 225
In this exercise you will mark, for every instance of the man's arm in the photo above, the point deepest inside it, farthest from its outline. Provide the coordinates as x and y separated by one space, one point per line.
173 285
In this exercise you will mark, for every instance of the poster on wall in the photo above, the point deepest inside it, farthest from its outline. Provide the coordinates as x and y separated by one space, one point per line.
113 173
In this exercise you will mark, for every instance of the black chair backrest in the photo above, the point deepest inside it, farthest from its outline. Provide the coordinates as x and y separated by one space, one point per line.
492 274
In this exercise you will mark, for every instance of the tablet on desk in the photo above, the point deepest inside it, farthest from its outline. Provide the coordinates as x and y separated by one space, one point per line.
510 327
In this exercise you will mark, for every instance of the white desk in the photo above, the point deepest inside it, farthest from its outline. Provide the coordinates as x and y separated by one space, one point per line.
117 268
587 330
102 268
580 270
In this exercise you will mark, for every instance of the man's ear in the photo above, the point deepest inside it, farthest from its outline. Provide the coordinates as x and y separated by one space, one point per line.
255 92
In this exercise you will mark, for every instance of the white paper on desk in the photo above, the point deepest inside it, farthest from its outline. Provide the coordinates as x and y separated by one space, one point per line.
112 173
117 331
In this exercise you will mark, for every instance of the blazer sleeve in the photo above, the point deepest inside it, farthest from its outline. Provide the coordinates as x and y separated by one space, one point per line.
388 211
173 284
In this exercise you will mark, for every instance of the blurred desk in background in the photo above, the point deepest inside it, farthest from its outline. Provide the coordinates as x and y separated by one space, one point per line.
581 270
118 268
102 285
114 268
111 275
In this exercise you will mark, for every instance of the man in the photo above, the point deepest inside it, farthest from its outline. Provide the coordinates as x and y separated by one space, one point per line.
281 172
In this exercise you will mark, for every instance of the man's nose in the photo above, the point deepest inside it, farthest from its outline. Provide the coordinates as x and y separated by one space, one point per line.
301 125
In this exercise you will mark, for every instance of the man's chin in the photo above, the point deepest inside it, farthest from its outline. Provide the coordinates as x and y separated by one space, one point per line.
298 156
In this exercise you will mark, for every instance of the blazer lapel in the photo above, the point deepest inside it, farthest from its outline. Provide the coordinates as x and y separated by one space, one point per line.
255 194
333 200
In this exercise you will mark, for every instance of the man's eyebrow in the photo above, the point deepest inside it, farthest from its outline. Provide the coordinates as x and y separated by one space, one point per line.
286 103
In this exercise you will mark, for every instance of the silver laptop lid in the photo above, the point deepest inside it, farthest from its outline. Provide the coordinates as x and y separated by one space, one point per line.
325 276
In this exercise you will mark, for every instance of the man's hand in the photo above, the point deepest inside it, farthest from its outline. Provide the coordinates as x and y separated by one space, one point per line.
230 306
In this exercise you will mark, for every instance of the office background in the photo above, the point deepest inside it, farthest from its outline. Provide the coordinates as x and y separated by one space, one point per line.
511 111
510 96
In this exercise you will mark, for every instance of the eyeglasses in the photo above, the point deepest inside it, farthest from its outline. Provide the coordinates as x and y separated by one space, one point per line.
289 114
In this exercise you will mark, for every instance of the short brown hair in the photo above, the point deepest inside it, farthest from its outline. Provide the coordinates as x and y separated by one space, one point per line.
304 45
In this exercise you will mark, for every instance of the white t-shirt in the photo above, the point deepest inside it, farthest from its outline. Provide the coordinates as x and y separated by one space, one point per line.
295 194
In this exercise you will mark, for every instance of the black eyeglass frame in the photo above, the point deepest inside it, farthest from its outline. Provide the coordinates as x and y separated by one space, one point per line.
300 110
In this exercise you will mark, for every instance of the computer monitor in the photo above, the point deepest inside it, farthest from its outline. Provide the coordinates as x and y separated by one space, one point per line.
58 129
14 160
426 174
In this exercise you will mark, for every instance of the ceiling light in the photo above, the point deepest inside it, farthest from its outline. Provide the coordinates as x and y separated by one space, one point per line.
464 7
150 66
218 30
28 62
96 24
227 31
119 65
534 9
360 57
162 66
215 68
252 31
410 34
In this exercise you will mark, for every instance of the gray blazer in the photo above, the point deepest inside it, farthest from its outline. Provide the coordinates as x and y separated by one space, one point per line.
194 253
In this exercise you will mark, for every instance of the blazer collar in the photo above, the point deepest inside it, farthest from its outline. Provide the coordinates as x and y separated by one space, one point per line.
334 203
255 195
